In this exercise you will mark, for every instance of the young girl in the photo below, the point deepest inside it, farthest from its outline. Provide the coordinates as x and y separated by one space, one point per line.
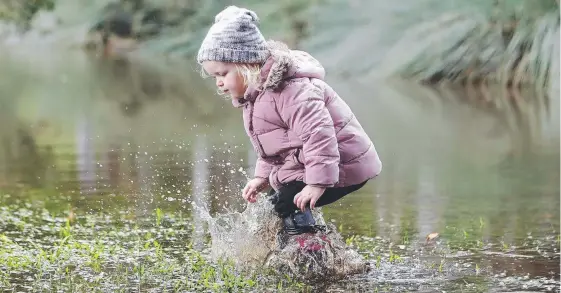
311 149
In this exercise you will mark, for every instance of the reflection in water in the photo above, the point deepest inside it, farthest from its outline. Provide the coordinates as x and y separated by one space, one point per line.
479 159
85 154
428 202
143 180
113 171
200 194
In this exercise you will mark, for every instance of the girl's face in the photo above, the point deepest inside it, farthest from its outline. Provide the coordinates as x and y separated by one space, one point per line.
228 79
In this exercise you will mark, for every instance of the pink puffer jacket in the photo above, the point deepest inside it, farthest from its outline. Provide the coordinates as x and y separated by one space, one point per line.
301 129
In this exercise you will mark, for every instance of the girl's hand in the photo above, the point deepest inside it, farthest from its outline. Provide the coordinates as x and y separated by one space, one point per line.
310 194
253 187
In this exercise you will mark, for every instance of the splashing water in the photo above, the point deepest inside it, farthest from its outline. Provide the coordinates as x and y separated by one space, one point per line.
246 238
251 238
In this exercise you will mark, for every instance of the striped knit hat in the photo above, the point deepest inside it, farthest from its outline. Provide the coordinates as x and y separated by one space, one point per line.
234 37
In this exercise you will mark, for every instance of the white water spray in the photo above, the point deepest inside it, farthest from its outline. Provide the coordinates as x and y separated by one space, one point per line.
250 238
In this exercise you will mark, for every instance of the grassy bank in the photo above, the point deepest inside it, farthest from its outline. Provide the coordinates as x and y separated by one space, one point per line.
509 42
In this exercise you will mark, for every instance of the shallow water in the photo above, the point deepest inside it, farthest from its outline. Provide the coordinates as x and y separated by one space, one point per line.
113 141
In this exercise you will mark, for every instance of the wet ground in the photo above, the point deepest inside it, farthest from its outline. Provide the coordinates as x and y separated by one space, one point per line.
101 161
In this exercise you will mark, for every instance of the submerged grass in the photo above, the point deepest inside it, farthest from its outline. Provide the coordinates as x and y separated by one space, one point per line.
44 250
48 244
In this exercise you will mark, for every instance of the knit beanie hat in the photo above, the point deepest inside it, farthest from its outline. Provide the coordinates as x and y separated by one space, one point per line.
234 37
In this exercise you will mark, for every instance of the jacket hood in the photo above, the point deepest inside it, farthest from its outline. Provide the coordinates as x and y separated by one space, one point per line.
283 64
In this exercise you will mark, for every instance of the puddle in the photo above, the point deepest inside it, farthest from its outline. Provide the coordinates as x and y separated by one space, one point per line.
153 138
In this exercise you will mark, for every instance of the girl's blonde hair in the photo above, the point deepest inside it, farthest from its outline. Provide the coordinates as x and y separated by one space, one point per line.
250 73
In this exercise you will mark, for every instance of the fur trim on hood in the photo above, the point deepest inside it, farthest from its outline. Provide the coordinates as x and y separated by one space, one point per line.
283 64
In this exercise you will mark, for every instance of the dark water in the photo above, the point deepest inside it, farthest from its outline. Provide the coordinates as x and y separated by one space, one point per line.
478 165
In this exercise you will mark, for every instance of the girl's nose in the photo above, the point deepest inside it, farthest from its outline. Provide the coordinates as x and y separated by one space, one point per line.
219 83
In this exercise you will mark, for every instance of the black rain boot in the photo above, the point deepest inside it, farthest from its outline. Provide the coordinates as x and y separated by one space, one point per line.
299 222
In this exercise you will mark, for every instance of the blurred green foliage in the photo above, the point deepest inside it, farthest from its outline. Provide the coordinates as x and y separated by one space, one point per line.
21 11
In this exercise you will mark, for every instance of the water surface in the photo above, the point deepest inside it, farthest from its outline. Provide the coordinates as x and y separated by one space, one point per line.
478 165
